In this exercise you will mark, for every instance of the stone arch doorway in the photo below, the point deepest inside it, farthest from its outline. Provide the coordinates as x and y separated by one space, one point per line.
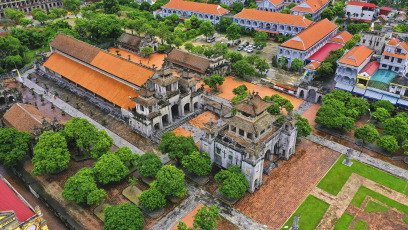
11 99
276 149
165 119
174 111
268 155
195 105
187 108
311 96
320 100
302 94
156 127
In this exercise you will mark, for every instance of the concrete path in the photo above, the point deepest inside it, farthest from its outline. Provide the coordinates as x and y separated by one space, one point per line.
198 196
362 157
303 107
117 140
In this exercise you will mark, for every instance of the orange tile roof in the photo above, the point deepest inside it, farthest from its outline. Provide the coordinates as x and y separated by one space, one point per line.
310 36
342 37
403 56
24 117
203 118
310 6
276 2
260 15
393 42
313 65
404 45
104 86
182 132
356 56
196 7
122 68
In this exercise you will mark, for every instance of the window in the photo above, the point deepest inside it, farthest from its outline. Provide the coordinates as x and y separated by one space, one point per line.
230 157
386 57
241 132
384 65
399 60
233 128
141 108
218 150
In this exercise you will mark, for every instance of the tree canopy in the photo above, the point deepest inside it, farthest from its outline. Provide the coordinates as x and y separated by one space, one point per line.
72 5
111 6
207 28
303 127
206 218
177 146
125 216
170 181
109 168
380 114
233 32
101 144
14 145
80 131
50 153
260 38
126 155
149 164
234 183
388 143
214 80
197 163
367 133
152 198
396 127
383 104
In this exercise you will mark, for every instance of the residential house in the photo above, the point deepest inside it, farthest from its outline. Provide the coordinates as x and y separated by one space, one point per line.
361 11
312 7
271 5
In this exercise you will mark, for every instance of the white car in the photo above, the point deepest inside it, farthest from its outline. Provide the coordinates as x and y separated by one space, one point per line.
250 50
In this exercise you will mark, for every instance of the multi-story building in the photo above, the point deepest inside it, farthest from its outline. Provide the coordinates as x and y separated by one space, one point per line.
307 42
312 7
185 9
271 5
361 11
230 2
375 40
249 138
16 213
27 5
395 57
271 22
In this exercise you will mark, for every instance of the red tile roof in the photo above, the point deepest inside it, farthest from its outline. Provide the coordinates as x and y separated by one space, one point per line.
342 37
9 200
386 8
310 6
370 68
310 36
402 16
104 86
313 65
356 56
260 15
24 117
196 7
364 4
393 42
324 52
276 2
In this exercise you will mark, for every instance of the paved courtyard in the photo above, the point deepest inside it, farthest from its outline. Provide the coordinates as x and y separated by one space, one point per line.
288 185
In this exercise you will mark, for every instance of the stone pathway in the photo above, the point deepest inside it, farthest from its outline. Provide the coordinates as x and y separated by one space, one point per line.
117 140
198 196
303 107
362 157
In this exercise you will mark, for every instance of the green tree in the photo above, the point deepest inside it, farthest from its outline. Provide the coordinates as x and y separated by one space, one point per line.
274 109
237 7
25 22
105 28
367 133
79 187
111 6
170 181
149 164
297 64
125 216
207 28
286 11
101 144
332 115
14 14
388 143
309 16
206 218
234 183
220 48
177 146
396 127
240 90
146 51
109 168
328 13
40 16
261 64
233 32
224 24
214 80
338 94
303 127
358 104
50 153
380 114
126 155
383 104
152 198
80 131
188 46
197 163
405 146
243 68
14 145
96 197
183 226
233 57
178 42
198 50
72 5
324 71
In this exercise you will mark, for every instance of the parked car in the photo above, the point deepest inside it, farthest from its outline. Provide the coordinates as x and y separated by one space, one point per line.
250 50
228 44
237 42
245 44
211 39
259 47
252 44
240 48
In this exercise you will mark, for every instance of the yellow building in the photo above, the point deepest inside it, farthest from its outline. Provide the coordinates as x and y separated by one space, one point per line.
366 73
16 213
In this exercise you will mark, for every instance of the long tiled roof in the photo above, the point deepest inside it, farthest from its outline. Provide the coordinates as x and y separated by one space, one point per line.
364 4
310 36
196 7
110 63
342 37
260 15
104 86
254 105
188 60
310 6
356 56
24 117
276 2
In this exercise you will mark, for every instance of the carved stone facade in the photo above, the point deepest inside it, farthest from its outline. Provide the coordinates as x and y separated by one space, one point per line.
8 96
250 137
27 5
135 44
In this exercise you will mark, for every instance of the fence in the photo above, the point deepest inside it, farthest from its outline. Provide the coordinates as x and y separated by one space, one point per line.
13 74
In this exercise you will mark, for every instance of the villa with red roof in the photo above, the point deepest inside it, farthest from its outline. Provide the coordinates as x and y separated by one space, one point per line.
395 57
271 5
312 7
361 11
16 212
271 22
185 9
307 42
401 17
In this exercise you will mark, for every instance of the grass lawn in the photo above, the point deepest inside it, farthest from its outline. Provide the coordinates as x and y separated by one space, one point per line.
363 192
360 225
406 219
374 207
311 210
344 221
339 174
31 53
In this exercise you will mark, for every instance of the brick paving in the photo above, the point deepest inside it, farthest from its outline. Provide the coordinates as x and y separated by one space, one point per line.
288 185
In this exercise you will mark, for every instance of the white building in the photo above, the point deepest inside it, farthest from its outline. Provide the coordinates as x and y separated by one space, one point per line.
271 22
395 57
230 2
271 5
361 11
308 42
185 9
312 7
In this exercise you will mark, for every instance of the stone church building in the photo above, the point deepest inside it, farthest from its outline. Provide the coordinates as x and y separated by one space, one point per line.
135 44
250 137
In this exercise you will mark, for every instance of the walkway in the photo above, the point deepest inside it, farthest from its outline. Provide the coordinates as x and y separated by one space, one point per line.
117 140
303 107
198 196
